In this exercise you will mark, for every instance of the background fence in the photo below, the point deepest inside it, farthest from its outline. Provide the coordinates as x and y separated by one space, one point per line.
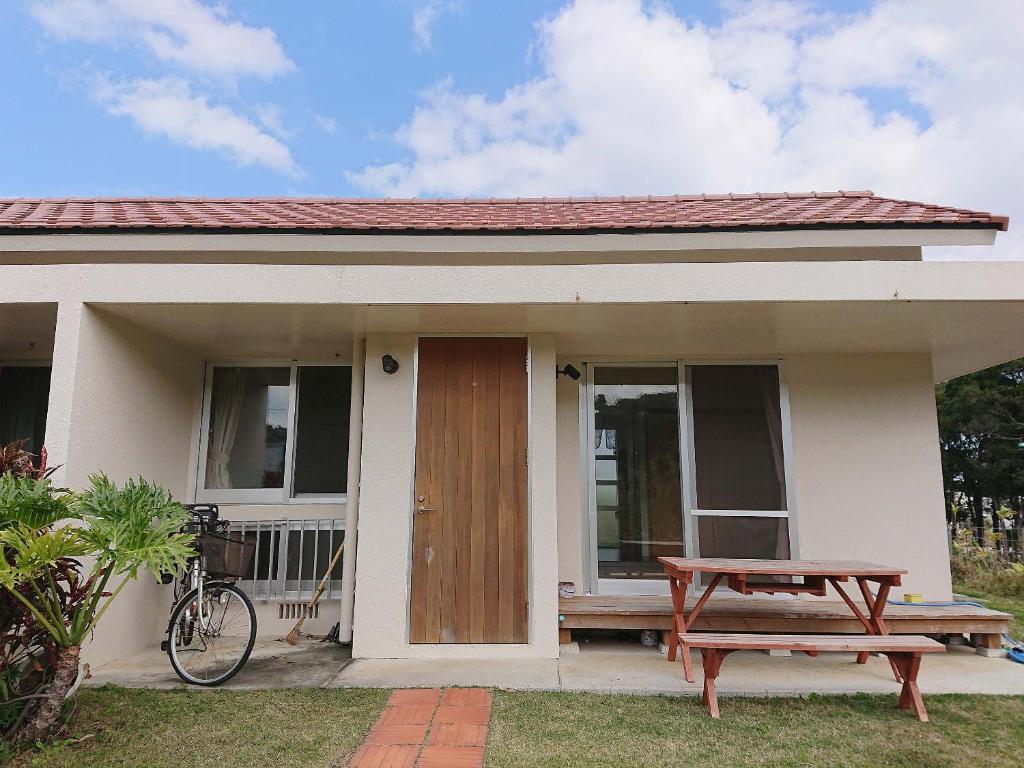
1007 542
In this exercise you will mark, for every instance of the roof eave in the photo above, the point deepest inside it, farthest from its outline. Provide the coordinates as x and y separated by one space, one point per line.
504 241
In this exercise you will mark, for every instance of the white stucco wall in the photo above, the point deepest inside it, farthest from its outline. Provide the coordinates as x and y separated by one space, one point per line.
867 466
123 403
385 510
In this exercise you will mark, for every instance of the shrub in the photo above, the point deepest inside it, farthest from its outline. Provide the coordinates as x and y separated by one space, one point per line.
984 568
55 600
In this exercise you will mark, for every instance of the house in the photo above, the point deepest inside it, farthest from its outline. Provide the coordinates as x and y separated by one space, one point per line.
501 395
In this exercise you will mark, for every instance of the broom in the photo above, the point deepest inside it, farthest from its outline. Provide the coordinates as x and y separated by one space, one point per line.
293 636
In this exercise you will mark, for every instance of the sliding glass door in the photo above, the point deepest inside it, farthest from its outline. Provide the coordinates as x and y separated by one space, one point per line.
634 452
683 459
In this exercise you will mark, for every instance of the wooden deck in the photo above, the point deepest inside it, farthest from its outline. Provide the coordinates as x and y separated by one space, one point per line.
758 614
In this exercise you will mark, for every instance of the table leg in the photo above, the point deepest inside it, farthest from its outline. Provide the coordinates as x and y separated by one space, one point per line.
910 696
677 586
876 605
687 622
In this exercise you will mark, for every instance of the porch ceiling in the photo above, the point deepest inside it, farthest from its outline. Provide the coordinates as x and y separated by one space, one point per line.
962 336
26 331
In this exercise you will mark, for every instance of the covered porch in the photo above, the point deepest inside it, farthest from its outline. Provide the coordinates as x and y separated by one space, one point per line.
851 373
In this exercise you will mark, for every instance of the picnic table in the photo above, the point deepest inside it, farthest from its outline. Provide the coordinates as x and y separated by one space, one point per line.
748 577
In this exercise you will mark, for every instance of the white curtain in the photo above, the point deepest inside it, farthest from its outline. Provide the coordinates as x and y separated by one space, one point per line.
228 393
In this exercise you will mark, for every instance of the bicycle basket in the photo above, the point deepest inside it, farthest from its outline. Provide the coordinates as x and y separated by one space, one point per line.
227 555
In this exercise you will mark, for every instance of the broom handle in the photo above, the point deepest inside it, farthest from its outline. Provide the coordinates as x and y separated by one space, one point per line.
323 582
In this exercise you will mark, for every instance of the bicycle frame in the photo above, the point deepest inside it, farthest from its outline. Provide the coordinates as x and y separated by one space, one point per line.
197 579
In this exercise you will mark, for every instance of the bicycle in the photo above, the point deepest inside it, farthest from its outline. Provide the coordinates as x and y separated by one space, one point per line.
212 627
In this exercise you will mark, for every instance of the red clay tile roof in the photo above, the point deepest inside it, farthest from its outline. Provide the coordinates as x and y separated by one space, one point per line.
785 210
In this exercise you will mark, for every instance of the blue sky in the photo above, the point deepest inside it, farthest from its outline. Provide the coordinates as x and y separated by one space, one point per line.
357 63
465 97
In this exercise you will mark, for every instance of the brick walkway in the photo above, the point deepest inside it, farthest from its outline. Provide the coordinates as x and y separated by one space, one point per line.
423 728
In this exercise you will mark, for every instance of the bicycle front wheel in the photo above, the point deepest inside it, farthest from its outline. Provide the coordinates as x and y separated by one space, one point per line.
210 640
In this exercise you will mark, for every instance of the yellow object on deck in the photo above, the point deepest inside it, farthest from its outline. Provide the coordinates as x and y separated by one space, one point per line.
912 597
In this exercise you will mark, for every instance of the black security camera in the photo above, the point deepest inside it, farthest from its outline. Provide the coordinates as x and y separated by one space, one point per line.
569 370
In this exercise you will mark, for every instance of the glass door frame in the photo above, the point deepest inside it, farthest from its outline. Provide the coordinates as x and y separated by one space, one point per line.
687 463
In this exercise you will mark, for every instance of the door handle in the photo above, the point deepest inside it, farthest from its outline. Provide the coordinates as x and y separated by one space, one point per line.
421 509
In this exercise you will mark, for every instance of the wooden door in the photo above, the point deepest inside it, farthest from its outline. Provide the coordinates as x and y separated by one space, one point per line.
469 562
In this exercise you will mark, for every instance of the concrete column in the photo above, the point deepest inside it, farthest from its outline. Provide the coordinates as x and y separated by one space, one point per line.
355 445
62 386
543 498
385 495
122 402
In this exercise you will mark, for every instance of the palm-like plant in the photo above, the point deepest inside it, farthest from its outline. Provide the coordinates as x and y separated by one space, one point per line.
122 530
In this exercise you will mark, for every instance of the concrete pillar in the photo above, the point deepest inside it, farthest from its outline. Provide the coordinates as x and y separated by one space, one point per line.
385 494
123 402
355 445
543 498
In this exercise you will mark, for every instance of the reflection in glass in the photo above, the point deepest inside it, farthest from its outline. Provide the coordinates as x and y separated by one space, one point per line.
248 428
321 438
737 437
636 470
760 538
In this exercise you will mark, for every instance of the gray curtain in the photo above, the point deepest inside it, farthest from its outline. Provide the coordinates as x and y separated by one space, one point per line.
24 395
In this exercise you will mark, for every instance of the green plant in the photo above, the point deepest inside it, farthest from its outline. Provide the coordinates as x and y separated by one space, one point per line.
122 530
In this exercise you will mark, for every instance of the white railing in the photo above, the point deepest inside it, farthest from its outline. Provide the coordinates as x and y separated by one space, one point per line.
291 557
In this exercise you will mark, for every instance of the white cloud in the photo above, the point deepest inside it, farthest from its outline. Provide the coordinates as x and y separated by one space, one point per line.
167 107
200 38
424 19
631 99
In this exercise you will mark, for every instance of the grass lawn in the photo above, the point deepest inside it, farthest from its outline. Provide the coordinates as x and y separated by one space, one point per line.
212 729
591 730
315 727
1014 605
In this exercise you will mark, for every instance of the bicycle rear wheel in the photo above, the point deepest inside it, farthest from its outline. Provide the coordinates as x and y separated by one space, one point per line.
209 643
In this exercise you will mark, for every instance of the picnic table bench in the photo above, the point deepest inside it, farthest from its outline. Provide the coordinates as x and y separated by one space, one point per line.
904 652
750 576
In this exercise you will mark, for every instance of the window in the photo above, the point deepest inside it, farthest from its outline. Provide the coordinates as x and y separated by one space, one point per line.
739 495
636 469
683 459
24 395
291 557
272 433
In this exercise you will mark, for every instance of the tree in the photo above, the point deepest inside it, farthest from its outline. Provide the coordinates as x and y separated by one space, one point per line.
981 432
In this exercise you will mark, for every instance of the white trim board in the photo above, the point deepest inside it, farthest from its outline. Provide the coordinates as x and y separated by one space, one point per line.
497 243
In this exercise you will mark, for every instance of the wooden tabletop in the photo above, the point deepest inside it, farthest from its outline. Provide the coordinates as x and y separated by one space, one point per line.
779 567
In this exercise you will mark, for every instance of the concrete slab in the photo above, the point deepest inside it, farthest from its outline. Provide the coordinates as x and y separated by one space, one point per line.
272 664
609 667
754 673
526 674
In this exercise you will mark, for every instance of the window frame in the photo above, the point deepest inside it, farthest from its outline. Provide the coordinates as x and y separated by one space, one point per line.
690 514
286 493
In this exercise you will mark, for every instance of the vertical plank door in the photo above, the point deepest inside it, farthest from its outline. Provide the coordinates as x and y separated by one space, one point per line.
470 553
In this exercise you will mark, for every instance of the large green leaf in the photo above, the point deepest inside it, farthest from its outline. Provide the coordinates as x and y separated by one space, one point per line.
134 527
30 552
32 502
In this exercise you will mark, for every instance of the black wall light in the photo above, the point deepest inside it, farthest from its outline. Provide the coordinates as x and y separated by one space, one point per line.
569 370
389 364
